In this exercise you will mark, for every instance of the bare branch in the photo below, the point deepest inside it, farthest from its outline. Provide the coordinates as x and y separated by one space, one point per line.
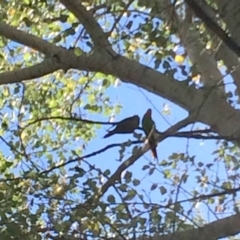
76 119
87 156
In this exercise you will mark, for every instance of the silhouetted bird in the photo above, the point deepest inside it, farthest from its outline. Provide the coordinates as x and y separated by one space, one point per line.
127 125
147 125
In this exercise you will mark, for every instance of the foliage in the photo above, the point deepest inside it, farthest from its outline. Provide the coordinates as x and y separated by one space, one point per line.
49 189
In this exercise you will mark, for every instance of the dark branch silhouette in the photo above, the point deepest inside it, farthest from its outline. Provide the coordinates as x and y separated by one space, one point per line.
76 119
88 156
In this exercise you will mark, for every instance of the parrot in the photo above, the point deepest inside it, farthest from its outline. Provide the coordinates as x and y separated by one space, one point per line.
147 124
127 125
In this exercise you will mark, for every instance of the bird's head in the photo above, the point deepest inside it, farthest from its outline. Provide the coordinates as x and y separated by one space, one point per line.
149 112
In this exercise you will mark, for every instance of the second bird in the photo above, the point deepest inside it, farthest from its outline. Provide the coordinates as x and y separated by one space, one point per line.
127 125
147 125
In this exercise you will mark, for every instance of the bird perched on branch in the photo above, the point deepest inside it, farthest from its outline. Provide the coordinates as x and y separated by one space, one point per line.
127 125
148 126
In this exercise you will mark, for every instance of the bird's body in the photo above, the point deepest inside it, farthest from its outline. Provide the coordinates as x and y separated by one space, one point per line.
147 125
127 125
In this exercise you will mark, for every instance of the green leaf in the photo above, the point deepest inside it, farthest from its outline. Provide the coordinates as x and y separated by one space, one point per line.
123 187
135 150
130 195
136 182
128 176
167 174
106 83
163 190
145 167
78 51
111 199
154 186
151 171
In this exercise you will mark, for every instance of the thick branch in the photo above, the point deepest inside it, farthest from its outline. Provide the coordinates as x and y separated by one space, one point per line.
76 119
225 227
27 39
210 106
46 67
224 51
213 25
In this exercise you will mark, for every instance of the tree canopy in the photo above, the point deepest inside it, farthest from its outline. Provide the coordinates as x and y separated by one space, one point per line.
61 64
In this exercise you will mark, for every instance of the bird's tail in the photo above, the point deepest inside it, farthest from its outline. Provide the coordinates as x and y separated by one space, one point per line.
154 153
153 147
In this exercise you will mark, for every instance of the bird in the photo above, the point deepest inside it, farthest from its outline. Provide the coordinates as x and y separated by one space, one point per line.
147 125
127 125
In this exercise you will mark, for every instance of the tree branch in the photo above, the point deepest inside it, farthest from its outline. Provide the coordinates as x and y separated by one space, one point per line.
27 39
46 67
87 156
213 25
86 18
225 227
224 51
76 119
133 72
